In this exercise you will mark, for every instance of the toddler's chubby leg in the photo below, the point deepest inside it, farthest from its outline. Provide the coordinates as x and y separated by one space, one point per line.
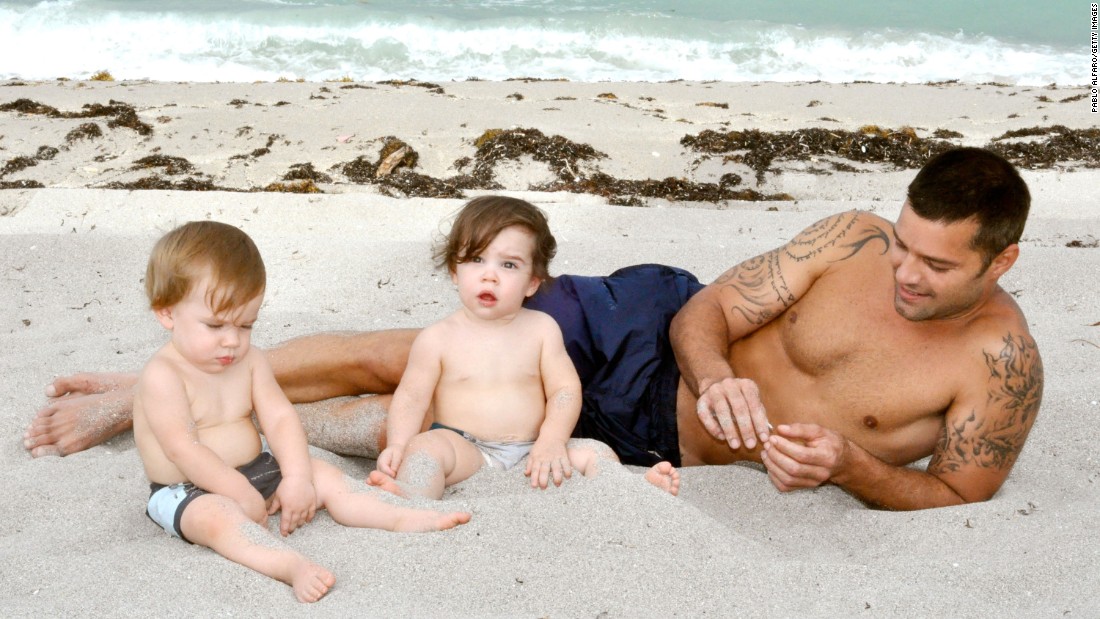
587 456
433 460
363 509
219 523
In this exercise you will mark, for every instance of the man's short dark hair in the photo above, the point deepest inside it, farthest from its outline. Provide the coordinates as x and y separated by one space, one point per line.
965 183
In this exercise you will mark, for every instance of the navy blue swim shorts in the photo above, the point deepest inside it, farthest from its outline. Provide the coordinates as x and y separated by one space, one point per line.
616 332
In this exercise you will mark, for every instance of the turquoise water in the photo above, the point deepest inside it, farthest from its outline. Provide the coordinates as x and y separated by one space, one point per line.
1012 41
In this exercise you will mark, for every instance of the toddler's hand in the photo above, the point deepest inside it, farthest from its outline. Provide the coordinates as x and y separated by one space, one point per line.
390 459
298 501
548 460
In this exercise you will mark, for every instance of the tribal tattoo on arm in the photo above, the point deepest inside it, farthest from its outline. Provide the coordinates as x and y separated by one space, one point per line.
759 284
993 440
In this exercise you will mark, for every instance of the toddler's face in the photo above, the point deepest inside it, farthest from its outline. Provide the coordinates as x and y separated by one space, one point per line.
494 284
210 342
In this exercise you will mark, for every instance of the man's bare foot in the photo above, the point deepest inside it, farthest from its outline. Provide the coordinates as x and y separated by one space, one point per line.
664 476
83 411
425 520
311 581
380 480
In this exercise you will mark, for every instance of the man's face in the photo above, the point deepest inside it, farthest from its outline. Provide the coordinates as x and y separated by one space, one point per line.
936 273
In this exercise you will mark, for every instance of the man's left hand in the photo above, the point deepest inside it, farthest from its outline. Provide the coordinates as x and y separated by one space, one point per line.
803 455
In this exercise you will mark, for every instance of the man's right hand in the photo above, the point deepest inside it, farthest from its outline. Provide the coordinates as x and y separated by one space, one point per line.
731 411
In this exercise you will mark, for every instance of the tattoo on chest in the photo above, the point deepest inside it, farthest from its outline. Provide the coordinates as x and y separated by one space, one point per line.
994 439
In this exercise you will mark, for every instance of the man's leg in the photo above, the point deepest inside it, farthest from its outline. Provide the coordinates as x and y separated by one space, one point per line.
88 408
329 365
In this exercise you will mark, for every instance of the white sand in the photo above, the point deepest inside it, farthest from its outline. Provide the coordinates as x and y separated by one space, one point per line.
77 543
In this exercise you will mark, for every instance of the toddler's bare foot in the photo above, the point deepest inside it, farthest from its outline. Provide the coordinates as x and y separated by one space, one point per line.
84 410
664 476
425 520
380 480
311 581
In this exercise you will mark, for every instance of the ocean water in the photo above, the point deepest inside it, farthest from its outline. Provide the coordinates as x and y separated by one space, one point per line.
1012 41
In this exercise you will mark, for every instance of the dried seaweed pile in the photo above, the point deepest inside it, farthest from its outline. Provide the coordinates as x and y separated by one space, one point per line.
120 114
759 150
1060 145
902 148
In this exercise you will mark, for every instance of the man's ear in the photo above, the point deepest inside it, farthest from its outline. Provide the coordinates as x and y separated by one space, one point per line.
1004 260
164 317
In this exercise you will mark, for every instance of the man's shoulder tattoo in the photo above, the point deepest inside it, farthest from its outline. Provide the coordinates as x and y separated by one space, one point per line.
848 231
994 438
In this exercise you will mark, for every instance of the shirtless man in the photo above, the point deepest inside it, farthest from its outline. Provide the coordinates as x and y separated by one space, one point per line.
865 345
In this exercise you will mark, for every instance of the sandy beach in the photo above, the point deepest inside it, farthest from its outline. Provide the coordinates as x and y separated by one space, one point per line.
692 174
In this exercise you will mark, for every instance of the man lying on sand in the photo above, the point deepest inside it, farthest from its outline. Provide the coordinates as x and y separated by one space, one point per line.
867 345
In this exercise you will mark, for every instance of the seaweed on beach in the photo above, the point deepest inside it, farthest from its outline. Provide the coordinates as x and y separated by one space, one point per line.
359 170
303 186
173 166
120 114
435 88
1077 243
21 185
394 154
392 173
565 159
416 185
259 152
528 80
629 192
86 131
155 182
1060 144
560 154
17 164
26 106
306 172
871 144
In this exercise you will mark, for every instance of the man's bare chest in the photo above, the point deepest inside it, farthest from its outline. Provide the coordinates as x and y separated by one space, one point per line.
853 350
